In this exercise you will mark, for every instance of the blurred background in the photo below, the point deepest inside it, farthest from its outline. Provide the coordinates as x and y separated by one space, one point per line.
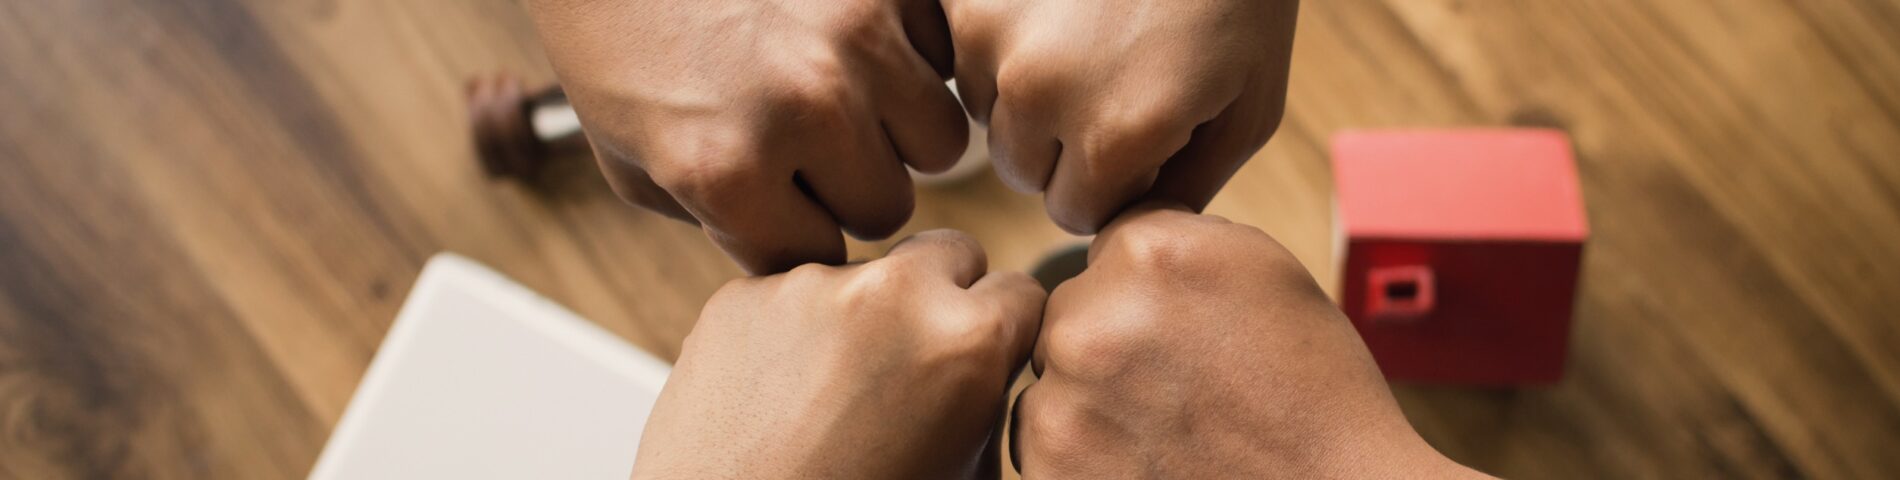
210 211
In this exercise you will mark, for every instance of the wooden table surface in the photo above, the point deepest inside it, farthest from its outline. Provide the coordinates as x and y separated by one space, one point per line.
210 211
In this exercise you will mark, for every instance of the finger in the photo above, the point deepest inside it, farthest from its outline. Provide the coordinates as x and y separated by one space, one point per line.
633 185
1055 311
758 216
1021 300
927 28
1218 149
973 34
1016 439
944 254
1022 148
1110 167
976 90
859 180
925 122
989 461
1229 139
1146 212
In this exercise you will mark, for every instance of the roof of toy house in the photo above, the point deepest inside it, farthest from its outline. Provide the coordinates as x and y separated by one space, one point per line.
1469 184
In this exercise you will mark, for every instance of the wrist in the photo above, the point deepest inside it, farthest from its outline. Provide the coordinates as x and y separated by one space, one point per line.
1401 455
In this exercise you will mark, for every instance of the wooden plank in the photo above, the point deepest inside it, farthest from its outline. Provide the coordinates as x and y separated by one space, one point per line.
210 210
117 359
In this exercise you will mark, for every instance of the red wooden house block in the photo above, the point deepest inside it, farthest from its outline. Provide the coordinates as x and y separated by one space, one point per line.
1460 251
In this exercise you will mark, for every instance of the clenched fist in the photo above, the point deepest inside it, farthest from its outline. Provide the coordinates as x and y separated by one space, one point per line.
773 123
1197 348
895 368
1099 103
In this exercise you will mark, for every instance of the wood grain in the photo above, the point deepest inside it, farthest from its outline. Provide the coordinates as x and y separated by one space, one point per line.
210 211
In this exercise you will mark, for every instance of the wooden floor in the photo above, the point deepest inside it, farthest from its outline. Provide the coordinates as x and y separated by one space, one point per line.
210 211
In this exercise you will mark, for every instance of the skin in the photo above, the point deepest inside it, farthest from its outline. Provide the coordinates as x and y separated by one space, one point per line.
1193 347
1100 103
894 368
773 123
777 123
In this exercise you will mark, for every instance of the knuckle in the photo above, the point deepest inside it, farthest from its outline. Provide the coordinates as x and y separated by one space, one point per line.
704 168
1012 83
1054 431
624 179
802 275
1203 250
1142 127
1099 349
968 343
972 334
952 242
1123 142
869 285
1104 155
817 96
1160 246
1024 85
861 26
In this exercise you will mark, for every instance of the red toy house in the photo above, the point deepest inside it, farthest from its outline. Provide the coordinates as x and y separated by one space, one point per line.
1460 251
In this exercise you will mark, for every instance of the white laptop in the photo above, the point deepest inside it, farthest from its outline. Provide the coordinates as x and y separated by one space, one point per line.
480 378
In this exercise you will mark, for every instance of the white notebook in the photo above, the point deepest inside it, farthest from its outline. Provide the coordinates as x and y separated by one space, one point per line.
480 378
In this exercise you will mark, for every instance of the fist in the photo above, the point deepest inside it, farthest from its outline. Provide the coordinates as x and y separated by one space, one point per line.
895 368
774 124
1098 103
1193 347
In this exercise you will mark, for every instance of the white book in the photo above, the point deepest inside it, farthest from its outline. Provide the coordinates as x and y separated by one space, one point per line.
480 378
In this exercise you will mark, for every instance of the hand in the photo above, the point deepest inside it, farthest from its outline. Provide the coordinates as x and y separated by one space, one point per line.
1098 103
896 368
773 123
1197 348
